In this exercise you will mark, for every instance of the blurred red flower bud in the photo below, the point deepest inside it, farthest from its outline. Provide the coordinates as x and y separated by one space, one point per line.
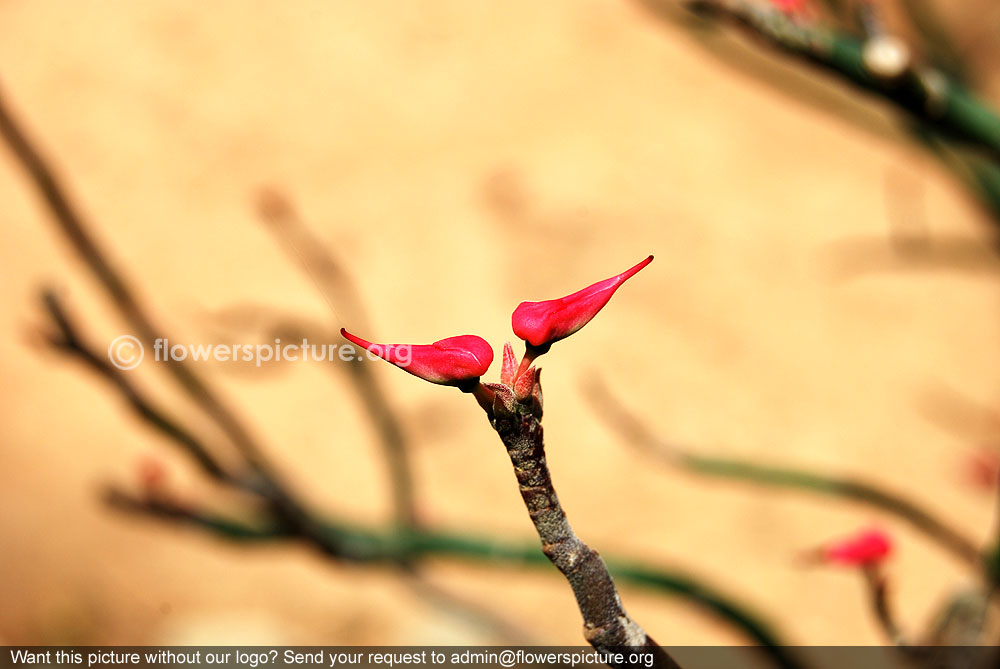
983 468
455 361
152 473
790 6
543 323
867 548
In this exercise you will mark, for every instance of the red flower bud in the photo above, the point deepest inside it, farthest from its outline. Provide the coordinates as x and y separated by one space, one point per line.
455 361
543 323
508 371
524 384
867 548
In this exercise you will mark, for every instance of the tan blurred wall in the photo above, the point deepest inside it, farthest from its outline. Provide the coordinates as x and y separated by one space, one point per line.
460 157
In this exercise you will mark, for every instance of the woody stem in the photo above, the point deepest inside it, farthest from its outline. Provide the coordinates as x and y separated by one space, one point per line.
607 627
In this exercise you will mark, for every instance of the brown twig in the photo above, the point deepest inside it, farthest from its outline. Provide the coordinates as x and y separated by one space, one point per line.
288 517
330 279
69 340
72 225
607 626
878 588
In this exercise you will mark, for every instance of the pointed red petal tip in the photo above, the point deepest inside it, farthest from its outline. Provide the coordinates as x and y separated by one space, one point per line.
453 361
864 549
544 323
508 371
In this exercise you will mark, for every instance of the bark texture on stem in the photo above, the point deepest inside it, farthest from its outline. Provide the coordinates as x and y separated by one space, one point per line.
606 625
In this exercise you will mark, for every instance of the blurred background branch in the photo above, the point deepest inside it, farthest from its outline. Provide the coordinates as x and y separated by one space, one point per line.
336 288
935 106
635 433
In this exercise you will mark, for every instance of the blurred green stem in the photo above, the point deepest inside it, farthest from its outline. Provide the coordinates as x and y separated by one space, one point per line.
636 433
925 94
356 543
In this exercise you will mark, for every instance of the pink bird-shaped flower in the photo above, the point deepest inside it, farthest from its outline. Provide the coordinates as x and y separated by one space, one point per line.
455 361
543 323
867 548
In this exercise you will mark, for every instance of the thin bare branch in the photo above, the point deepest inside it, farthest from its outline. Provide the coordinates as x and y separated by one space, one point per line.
328 276
73 226
923 93
68 339
336 287
878 591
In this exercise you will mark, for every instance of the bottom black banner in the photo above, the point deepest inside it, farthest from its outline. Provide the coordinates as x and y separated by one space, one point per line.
390 657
